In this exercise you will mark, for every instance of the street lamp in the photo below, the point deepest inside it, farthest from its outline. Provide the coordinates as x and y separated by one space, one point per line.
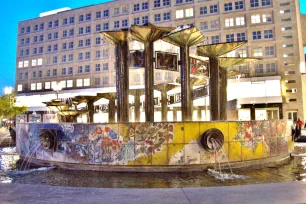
57 88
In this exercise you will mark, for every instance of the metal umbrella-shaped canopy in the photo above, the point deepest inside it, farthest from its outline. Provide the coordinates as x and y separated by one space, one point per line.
213 51
148 34
185 38
120 39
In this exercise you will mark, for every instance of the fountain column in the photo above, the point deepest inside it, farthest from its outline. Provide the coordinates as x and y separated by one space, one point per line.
163 89
185 38
119 38
91 110
137 105
148 34
174 115
213 51
111 109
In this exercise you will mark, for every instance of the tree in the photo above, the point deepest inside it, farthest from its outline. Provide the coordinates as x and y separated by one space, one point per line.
8 109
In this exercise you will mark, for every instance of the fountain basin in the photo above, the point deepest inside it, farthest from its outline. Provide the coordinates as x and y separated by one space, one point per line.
156 147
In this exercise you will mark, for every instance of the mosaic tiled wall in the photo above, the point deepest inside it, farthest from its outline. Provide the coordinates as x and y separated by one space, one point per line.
152 143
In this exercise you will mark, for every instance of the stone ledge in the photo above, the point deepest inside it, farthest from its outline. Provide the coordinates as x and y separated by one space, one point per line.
276 160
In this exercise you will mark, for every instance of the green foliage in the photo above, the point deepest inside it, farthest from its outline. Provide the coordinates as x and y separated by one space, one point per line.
7 107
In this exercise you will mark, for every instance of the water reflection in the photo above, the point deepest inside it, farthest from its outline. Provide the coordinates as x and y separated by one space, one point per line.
293 171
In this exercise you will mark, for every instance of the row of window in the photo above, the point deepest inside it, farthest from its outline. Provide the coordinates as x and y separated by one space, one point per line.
269 68
35 62
64 71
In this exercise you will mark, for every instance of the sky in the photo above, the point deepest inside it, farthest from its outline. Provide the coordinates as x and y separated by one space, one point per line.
20 10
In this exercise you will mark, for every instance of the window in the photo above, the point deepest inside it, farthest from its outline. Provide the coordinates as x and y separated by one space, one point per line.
20 64
105 26
105 66
33 86
47 85
266 18
286 28
80 69
71 32
71 20
98 40
287 37
203 10
55 35
288 55
54 72
97 81
215 39
55 47
213 8
259 68
240 21
98 53
124 23
241 37
63 71
49 73
105 53
86 82
19 87
167 16
35 39
229 22
105 13
38 86
239 5
80 56
20 76
204 25
98 14
87 55
189 12
157 17
156 3
257 52
34 62
88 17
268 34
80 43
228 6
145 6
254 3
179 13
50 24
40 50
87 42
88 29
230 38
79 82
55 60
49 37
98 27
287 45
136 21
269 51
105 80
69 83
136 7
87 68
116 24
242 53
26 63
98 67
56 23
145 20
64 58
285 19
265 2
166 2
255 18
70 70
256 35
271 67
214 24
124 10
71 45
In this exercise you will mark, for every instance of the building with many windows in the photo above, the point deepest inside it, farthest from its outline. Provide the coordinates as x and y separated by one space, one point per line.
65 46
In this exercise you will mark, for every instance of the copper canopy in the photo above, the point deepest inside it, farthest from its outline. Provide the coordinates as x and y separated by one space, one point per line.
116 36
167 87
148 32
107 95
235 61
219 49
85 99
185 37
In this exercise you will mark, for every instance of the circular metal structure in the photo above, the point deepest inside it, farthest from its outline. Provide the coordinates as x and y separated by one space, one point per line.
212 140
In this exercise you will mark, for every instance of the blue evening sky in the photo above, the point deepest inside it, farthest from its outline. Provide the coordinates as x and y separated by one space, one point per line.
18 10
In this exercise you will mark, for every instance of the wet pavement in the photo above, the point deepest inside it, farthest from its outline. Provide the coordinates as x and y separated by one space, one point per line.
292 192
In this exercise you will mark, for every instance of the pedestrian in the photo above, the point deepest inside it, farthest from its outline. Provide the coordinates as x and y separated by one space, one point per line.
299 125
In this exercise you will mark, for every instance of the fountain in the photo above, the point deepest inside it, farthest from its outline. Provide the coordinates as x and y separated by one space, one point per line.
165 146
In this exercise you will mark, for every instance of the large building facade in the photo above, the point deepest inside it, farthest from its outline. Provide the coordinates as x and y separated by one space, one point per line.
66 47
